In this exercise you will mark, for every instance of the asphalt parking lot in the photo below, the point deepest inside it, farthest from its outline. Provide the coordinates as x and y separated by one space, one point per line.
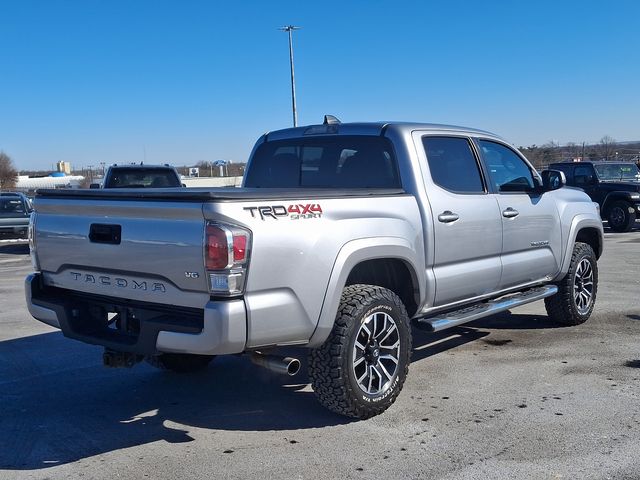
511 396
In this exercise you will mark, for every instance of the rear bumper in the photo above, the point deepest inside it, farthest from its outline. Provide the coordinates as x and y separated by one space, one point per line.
146 329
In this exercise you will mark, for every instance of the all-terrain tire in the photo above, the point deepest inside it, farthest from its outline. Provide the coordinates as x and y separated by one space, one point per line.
621 216
336 367
180 362
570 306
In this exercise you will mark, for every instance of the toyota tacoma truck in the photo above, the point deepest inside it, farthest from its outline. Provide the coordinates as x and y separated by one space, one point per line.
342 237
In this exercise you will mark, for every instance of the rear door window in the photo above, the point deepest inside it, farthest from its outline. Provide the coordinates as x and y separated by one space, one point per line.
325 162
452 164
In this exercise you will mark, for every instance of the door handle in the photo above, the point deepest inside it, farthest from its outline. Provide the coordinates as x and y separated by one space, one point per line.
510 213
103 233
448 216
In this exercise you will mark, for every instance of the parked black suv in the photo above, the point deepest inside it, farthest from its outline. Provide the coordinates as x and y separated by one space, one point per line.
614 185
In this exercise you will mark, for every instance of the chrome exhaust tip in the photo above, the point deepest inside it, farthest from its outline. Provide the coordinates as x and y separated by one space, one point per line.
282 365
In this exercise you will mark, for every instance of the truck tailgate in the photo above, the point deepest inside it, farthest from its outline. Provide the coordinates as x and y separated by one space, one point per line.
149 250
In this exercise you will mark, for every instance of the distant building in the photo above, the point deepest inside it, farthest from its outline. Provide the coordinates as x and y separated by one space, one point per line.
63 167
55 180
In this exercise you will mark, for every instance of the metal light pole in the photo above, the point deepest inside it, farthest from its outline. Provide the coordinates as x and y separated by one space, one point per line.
290 29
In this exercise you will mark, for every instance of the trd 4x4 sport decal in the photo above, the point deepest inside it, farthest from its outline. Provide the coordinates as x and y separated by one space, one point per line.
294 212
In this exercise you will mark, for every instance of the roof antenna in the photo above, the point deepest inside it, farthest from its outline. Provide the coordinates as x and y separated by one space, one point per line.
330 120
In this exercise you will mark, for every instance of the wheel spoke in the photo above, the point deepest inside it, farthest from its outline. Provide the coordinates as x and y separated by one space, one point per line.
384 370
366 329
375 325
358 362
359 345
384 327
370 369
379 375
389 357
389 332
364 375
392 347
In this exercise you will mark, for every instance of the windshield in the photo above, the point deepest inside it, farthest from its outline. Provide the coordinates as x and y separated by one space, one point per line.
618 171
143 178
12 207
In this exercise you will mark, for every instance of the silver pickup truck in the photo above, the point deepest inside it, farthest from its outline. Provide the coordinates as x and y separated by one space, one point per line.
342 236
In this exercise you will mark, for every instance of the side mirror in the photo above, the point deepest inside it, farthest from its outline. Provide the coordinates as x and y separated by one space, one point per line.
94 185
552 180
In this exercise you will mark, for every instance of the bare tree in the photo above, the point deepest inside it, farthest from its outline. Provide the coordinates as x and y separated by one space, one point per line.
573 150
236 169
206 168
8 173
607 147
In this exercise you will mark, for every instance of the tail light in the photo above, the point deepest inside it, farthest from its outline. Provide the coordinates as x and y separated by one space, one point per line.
227 250
31 232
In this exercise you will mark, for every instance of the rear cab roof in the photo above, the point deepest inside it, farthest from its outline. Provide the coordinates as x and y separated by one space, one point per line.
374 129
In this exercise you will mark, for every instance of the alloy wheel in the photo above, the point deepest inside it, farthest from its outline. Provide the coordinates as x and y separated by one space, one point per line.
376 353
583 286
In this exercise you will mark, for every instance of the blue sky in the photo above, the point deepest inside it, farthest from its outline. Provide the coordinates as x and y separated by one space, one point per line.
182 81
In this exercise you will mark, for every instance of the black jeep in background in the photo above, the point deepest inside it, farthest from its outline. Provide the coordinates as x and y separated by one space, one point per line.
615 186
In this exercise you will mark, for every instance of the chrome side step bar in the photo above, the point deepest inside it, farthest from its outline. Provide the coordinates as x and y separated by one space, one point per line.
440 322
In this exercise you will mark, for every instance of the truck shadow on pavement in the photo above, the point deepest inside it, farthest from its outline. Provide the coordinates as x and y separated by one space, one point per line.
515 321
427 344
60 405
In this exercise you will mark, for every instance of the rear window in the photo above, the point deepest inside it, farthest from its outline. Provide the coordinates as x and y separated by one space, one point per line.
143 178
325 162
